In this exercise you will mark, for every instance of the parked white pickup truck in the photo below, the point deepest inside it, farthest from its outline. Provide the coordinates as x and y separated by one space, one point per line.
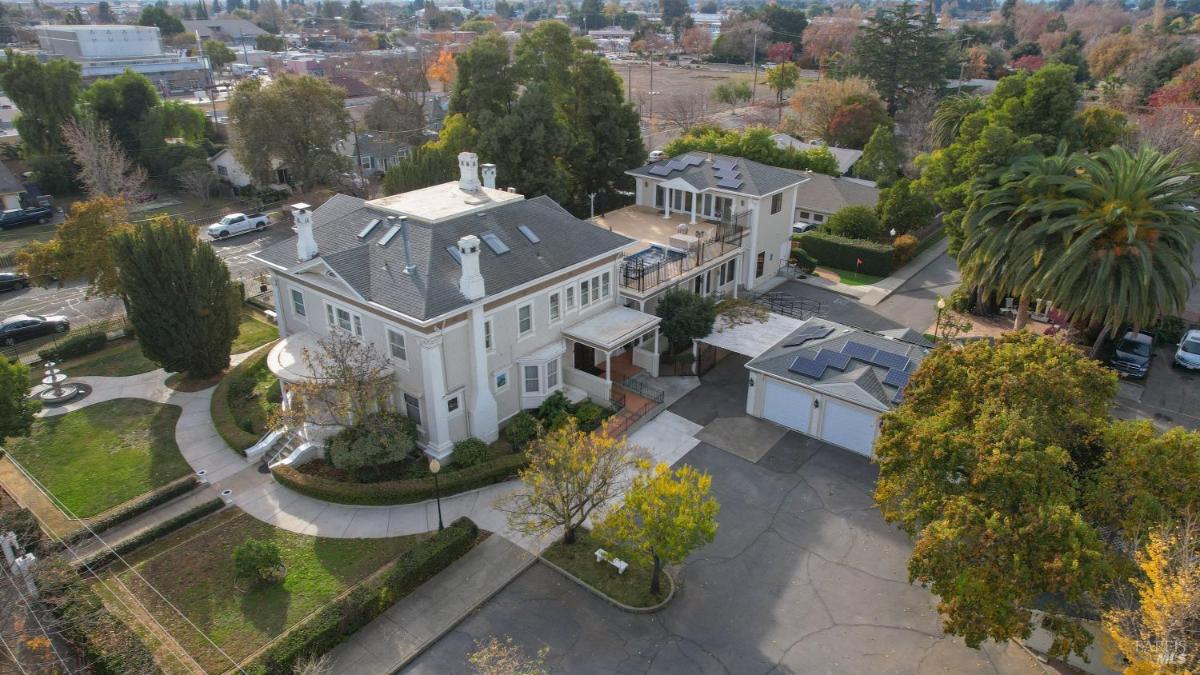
237 223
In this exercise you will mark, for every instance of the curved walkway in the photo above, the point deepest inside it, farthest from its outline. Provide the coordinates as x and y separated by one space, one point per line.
668 437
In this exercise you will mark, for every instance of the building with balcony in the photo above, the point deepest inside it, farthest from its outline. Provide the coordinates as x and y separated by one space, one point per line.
485 303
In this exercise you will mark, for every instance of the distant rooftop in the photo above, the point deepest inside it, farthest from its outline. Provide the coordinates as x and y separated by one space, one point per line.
439 202
708 171
845 157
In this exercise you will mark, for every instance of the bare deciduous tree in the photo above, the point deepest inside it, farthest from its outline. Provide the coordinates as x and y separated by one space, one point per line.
349 380
104 169
685 110
1169 130
198 181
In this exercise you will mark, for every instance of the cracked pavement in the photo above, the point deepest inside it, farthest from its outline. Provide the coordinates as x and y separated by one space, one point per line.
804 576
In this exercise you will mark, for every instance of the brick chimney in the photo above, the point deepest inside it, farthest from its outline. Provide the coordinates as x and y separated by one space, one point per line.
306 244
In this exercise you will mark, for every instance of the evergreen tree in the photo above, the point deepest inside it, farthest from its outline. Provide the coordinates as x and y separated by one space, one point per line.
201 10
104 13
187 12
607 134
880 160
530 146
178 296
252 5
216 7
485 87
902 52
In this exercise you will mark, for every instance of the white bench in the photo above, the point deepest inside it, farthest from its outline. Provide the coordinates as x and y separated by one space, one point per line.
605 556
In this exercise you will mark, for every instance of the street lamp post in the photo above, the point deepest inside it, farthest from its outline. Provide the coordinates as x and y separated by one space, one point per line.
941 308
434 467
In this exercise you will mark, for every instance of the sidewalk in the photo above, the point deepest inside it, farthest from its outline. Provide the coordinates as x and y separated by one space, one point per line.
873 294
401 633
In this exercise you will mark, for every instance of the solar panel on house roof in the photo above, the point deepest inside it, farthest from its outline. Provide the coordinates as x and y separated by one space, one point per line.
807 333
498 247
803 365
896 378
730 183
533 238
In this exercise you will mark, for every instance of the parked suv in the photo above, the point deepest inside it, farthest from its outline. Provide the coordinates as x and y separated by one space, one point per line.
1187 354
237 223
1133 353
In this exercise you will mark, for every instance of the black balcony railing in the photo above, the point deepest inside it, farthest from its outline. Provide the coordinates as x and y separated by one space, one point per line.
637 273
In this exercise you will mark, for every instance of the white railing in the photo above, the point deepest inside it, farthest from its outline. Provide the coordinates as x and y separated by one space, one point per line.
256 451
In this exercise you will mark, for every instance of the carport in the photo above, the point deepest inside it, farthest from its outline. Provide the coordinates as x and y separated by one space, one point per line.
748 339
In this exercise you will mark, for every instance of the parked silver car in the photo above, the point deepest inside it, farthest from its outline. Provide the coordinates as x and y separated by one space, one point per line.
1187 354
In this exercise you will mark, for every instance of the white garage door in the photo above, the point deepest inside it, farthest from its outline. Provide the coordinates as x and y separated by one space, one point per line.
787 405
848 426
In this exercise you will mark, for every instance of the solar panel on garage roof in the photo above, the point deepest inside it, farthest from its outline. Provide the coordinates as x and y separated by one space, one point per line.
807 333
857 350
661 169
890 360
723 163
803 365
896 378
834 359
692 160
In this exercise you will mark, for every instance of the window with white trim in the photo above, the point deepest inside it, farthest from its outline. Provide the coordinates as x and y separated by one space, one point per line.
570 298
412 408
551 374
524 320
339 317
777 203
584 297
298 302
454 404
605 284
533 380
555 307
500 379
596 289
396 345
488 343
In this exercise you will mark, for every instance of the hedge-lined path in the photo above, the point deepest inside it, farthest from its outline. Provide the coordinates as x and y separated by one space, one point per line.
135 526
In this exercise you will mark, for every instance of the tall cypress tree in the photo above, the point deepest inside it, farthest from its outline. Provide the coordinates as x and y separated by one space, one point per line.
178 296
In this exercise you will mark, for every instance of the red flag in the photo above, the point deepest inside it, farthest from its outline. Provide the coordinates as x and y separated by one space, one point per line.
858 261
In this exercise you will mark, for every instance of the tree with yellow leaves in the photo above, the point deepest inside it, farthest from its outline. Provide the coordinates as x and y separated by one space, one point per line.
80 249
1159 632
443 69
666 515
571 473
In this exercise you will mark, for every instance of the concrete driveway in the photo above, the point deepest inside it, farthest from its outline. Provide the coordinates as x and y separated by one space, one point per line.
804 577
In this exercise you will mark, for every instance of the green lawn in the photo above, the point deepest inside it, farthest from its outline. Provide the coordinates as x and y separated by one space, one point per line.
631 588
103 455
853 278
120 358
253 333
193 569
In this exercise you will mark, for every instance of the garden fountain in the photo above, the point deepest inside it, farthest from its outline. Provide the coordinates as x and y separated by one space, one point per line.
57 391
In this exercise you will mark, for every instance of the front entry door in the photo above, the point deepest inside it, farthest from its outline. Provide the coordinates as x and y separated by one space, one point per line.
585 358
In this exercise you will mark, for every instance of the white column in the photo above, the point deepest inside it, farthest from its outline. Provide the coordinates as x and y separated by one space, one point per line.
608 371
280 303
666 202
695 202
437 426
655 362
735 279
484 424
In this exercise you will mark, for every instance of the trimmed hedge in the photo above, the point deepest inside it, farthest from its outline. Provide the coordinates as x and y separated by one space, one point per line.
222 415
108 555
107 644
386 493
76 345
132 509
842 253
327 628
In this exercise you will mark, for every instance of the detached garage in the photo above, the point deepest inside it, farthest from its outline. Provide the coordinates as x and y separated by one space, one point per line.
833 381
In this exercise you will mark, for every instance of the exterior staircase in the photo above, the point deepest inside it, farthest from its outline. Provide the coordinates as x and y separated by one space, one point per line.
282 448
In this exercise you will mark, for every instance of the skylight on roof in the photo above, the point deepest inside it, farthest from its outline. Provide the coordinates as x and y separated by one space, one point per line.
390 234
533 238
498 247
367 230
454 253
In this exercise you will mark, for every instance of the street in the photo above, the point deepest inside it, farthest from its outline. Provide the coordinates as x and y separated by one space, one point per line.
71 299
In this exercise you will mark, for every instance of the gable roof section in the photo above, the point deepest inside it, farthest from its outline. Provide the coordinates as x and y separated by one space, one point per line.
377 272
829 194
845 157
860 381
757 179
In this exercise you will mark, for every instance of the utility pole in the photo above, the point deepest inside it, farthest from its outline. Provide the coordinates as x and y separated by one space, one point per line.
357 156
242 39
629 85
650 92
754 67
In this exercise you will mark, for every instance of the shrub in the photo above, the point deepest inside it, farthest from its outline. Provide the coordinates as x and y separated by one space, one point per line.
555 410
382 438
234 435
406 491
470 452
1171 329
323 631
960 299
590 415
855 222
842 253
522 428
257 562
805 262
77 345
108 555
905 246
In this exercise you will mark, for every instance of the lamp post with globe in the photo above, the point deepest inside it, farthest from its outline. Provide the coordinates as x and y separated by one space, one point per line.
434 467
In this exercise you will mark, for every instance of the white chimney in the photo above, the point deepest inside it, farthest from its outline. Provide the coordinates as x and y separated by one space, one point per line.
489 176
471 281
306 244
468 172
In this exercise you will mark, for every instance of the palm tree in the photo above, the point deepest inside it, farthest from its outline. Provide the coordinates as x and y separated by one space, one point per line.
949 117
1122 233
1000 256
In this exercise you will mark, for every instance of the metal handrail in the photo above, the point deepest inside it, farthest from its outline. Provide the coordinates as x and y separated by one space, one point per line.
789 305
642 389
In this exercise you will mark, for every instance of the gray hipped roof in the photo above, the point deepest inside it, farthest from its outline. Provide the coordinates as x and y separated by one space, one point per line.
757 179
861 381
830 194
9 183
377 272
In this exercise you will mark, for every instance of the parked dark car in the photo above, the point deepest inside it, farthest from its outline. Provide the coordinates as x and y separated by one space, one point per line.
19 217
1133 353
12 281
26 326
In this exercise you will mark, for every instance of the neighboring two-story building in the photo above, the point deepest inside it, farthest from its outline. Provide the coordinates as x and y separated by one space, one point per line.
484 302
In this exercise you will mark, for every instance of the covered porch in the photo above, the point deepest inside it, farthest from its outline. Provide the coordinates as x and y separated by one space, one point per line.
612 346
